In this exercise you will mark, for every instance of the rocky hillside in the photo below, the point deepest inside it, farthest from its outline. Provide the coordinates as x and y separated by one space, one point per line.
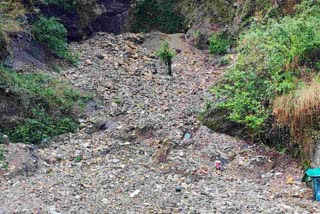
91 122
140 148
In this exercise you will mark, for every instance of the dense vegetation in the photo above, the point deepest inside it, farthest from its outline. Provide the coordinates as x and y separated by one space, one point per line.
47 105
274 81
219 43
157 15
35 106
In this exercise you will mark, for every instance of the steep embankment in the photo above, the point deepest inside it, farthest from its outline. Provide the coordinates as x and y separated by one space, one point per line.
141 149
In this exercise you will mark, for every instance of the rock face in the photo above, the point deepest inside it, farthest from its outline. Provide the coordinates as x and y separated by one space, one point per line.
26 53
114 20
91 16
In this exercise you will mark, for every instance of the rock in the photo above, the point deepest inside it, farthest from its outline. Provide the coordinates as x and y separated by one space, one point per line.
21 160
178 189
5 140
88 62
214 119
105 200
315 158
187 136
26 54
134 194
290 180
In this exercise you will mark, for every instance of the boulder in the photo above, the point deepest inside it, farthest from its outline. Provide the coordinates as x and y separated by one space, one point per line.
21 160
214 118
26 54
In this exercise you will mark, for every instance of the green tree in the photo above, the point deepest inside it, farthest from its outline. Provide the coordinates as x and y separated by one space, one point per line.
166 54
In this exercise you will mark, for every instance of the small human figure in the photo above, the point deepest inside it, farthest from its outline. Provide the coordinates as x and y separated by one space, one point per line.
218 164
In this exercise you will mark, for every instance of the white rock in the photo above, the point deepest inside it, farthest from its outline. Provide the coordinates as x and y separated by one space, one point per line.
135 193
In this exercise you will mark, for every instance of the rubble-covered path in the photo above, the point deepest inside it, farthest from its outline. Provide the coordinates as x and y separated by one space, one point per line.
141 149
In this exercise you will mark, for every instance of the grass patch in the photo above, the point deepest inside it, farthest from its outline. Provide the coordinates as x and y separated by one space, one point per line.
299 109
10 11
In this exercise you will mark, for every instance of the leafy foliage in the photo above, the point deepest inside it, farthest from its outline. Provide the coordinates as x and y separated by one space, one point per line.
48 105
268 65
157 15
39 127
53 34
40 89
219 43
165 53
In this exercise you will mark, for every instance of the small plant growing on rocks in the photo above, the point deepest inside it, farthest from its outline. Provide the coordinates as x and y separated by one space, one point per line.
166 55
219 43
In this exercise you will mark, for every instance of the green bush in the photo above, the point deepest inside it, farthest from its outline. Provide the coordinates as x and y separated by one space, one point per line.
40 89
268 65
166 55
219 43
39 127
53 34
68 5
157 15
48 106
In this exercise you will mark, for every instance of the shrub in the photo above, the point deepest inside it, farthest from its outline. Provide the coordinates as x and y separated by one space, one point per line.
47 105
41 89
166 55
39 127
267 65
53 34
219 43
157 15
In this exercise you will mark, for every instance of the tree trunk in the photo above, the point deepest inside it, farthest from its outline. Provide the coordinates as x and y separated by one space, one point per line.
169 68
